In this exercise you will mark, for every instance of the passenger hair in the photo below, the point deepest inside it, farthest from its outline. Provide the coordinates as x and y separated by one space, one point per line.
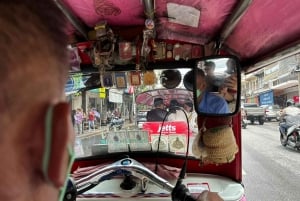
22 23
200 72
210 64
33 51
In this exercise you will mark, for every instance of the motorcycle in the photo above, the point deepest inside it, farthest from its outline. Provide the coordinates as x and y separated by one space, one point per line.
289 130
116 123
244 121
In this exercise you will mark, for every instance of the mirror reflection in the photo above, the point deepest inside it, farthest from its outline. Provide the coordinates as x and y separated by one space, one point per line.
216 86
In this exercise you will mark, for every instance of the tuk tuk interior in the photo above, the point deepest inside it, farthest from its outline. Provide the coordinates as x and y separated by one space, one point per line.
129 40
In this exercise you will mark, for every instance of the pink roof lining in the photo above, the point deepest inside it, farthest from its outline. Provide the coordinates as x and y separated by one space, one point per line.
119 13
266 25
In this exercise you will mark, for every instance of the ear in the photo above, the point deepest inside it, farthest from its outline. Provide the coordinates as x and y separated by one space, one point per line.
203 85
61 136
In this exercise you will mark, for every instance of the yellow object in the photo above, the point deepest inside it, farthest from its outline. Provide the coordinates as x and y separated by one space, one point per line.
102 93
149 78
92 35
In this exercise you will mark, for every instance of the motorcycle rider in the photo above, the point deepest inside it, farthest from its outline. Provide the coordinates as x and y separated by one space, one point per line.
290 110
243 117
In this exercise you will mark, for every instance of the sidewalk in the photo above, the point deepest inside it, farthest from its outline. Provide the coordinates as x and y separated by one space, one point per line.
102 131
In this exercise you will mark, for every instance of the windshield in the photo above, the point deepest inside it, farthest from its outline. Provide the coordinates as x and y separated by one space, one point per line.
130 118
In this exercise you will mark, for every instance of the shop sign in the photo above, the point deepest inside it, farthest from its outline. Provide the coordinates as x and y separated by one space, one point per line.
102 93
266 98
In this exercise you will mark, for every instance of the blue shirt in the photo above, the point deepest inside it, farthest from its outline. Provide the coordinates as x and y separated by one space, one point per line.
213 104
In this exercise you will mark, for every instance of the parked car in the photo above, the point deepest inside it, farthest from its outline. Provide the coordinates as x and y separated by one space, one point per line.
254 112
272 112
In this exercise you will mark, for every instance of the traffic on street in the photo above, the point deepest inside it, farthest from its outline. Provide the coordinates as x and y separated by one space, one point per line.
270 171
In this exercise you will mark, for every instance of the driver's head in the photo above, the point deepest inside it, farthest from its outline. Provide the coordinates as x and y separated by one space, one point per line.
159 103
33 73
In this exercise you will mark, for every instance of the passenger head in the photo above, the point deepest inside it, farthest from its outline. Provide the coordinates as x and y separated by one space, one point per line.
35 121
159 103
209 68
174 104
188 106
231 66
201 81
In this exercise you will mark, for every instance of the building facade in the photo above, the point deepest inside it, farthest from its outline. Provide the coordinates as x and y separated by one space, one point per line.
273 84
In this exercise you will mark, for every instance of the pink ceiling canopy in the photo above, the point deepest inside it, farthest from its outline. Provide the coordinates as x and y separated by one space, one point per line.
265 27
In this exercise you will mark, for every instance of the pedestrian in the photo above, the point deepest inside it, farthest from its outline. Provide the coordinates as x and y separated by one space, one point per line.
97 116
91 118
78 121
73 117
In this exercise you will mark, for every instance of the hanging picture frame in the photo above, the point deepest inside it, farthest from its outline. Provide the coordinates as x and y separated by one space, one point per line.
108 80
120 79
135 78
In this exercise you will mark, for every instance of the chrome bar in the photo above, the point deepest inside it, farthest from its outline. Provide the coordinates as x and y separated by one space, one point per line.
79 26
133 166
234 19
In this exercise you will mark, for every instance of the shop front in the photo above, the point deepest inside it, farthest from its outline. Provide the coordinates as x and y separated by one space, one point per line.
252 99
285 91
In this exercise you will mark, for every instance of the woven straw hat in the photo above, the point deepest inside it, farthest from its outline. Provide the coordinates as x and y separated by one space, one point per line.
219 145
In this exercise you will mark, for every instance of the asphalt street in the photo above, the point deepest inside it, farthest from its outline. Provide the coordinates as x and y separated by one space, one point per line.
271 172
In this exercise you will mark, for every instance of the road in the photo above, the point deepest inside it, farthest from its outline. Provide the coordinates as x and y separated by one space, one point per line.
271 172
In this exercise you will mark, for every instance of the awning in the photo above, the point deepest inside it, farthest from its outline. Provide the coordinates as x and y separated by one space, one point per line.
260 91
290 83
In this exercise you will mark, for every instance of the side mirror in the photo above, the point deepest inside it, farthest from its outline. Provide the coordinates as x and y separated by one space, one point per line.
217 86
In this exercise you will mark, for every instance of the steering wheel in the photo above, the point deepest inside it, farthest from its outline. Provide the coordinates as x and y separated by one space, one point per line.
129 167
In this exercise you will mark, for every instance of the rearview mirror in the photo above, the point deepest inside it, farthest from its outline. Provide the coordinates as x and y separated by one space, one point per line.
217 86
